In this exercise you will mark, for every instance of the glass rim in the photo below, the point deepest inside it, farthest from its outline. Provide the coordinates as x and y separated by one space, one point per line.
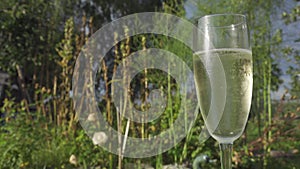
204 19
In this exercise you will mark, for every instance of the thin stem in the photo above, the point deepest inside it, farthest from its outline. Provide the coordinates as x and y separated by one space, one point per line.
226 155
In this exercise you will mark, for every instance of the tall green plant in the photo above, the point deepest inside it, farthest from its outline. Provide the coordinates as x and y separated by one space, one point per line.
63 113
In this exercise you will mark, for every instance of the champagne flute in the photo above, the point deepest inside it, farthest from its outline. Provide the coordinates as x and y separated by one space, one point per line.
223 75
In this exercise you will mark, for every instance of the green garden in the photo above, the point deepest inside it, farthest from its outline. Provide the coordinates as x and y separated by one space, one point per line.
40 41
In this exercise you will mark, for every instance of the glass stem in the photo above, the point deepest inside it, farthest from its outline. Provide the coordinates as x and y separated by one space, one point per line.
226 155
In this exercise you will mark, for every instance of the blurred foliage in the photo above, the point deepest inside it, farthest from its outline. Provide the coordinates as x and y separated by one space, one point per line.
40 41
293 54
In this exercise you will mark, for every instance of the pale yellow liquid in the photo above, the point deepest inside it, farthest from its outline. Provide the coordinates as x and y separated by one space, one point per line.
231 75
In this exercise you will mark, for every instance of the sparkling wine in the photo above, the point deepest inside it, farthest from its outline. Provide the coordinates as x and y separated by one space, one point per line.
224 88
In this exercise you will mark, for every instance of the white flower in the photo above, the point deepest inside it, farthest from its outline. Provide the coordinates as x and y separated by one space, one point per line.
92 117
99 138
73 159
